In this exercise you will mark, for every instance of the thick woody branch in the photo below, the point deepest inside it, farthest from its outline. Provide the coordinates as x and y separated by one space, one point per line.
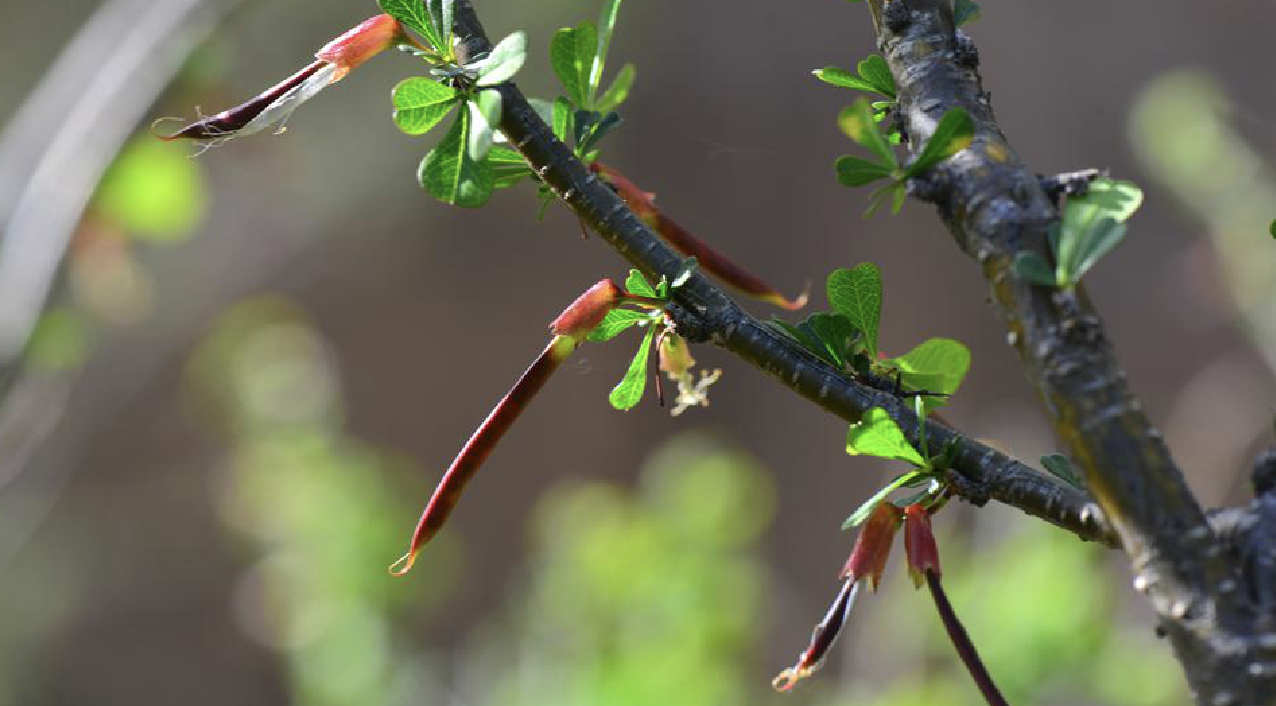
996 207
705 313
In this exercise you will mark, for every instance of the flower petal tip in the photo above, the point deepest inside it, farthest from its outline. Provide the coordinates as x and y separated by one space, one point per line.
786 680
403 565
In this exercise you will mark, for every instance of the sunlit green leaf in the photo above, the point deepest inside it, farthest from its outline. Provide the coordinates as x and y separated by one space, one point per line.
485 116
420 103
943 361
857 294
1096 242
628 393
616 322
606 25
571 53
878 435
450 175
874 70
635 283
503 62
562 118
413 15
619 90
857 122
843 79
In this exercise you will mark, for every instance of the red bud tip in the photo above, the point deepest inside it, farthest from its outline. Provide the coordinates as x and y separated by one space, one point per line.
589 310
873 546
362 42
404 564
822 639
919 545
707 258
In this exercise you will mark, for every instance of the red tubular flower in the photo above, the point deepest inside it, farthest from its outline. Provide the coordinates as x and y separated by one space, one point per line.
570 328
273 106
709 260
822 639
873 547
919 544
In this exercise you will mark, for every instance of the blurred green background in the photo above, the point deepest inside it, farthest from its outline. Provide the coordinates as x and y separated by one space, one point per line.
255 364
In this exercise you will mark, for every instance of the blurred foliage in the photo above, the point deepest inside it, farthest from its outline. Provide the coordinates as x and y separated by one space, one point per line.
316 510
62 340
639 599
1181 128
154 191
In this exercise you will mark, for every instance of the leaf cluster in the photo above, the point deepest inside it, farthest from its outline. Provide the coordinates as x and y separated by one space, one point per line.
954 133
1090 227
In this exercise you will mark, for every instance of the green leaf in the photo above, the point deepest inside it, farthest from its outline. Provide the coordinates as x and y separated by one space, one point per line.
619 89
965 12
504 156
857 122
637 284
865 510
616 322
1272 229
607 24
853 171
503 62
1032 267
878 435
942 362
450 175
571 53
874 70
857 294
486 115
1061 467
954 133
413 15
628 393
1096 242
420 103
562 118
806 336
836 334
1088 228
843 79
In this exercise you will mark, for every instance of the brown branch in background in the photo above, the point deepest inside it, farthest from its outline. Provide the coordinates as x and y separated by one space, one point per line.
707 258
705 313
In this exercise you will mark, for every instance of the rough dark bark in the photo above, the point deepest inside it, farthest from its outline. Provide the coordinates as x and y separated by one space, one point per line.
705 313
1210 580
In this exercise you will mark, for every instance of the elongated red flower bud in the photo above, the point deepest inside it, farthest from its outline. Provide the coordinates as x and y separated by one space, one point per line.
273 106
480 446
919 544
822 639
873 546
708 259
589 310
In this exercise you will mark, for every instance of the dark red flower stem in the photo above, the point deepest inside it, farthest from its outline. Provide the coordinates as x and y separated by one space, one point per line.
480 446
961 640
708 259
232 120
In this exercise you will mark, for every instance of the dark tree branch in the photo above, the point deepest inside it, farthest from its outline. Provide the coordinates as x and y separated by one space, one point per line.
996 207
705 313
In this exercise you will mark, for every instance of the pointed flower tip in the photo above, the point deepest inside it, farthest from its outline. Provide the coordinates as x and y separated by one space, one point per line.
789 304
873 546
919 545
589 310
404 564
360 43
786 680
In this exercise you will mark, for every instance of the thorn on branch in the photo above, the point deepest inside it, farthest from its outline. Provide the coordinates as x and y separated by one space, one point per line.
897 16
